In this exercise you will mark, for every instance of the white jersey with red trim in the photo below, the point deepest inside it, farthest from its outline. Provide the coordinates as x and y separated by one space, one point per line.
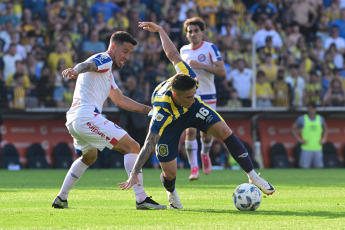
92 89
207 53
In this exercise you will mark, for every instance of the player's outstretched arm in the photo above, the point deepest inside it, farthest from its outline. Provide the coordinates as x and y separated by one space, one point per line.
150 143
127 103
86 66
168 46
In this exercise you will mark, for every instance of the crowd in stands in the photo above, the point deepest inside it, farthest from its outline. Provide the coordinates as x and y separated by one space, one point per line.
299 44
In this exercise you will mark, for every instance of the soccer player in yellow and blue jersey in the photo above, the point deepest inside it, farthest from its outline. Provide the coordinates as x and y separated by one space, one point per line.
175 108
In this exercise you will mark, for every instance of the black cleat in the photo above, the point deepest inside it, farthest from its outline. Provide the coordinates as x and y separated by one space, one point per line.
59 203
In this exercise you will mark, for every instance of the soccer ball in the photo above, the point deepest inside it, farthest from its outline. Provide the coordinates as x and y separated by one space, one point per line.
247 197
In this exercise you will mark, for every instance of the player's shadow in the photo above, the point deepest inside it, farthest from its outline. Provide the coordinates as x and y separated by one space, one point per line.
323 214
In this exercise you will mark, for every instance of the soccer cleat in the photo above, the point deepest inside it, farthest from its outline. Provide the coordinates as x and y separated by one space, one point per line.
263 185
194 173
174 200
149 204
60 203
206 163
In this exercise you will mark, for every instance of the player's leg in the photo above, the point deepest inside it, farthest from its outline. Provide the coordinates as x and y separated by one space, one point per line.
206 143
191 145
318 159
168 178
88 157
130 148
221 131
305 160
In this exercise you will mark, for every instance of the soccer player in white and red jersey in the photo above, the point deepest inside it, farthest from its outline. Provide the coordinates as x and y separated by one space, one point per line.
90 130
206 61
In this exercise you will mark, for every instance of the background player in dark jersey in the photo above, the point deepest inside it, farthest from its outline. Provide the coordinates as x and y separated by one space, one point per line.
176 108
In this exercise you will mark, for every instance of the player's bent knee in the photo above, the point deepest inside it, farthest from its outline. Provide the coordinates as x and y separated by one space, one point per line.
90 157
190 133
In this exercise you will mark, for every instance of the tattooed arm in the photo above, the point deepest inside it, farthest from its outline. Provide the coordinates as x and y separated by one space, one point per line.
150 142
127 103
86 66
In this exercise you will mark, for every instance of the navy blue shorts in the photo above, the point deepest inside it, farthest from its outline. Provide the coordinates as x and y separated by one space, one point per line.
199 116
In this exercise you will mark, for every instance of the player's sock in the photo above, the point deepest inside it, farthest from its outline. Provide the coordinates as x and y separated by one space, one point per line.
169 185
239 152
73 175
192 152
205 147
139 191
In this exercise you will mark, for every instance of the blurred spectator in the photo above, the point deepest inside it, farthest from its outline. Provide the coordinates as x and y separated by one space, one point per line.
133 17
59 83
297 85
3 98
57 13
294 35
304 14
34 69
15 38
9 16
335 95
184 6
153 79
208 7
104 6
313 89
219 155
59 53
263 90
306 64
175 25
296 51
17 93
10 60
247 27
67 97
234 102
132 67
235 53
335 39
19 69
241 79
317 51
36 7
45 89
269 68
141 7
102 28
268 49
152 49
119 21
263 7
5 33
40 31
136 124
281 90
230 34
260 36
340 23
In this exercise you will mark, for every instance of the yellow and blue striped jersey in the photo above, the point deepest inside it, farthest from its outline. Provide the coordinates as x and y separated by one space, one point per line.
164 109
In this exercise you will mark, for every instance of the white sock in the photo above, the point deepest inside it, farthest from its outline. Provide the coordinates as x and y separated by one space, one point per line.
192 152
205 147
252 174
73 175
129 160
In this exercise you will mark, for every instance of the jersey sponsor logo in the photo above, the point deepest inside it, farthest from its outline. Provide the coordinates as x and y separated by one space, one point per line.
100 58
162 150
209 119
159 117
201 57
243 155
95 129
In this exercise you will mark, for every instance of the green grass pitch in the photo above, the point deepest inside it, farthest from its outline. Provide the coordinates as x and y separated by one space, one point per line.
304 199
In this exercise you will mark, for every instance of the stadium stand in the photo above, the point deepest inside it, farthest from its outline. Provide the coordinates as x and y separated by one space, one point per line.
37 157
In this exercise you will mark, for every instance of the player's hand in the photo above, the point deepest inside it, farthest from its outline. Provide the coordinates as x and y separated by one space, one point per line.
194 64
70 73
132 180
149 26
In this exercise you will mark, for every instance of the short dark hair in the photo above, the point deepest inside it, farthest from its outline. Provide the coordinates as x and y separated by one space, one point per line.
196 21
312 104
121 37
182 82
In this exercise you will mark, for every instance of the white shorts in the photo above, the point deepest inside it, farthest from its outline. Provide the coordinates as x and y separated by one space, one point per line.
212 105
96 132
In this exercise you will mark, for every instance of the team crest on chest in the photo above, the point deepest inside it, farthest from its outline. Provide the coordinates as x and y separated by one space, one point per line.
159 117
201 57
163 150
